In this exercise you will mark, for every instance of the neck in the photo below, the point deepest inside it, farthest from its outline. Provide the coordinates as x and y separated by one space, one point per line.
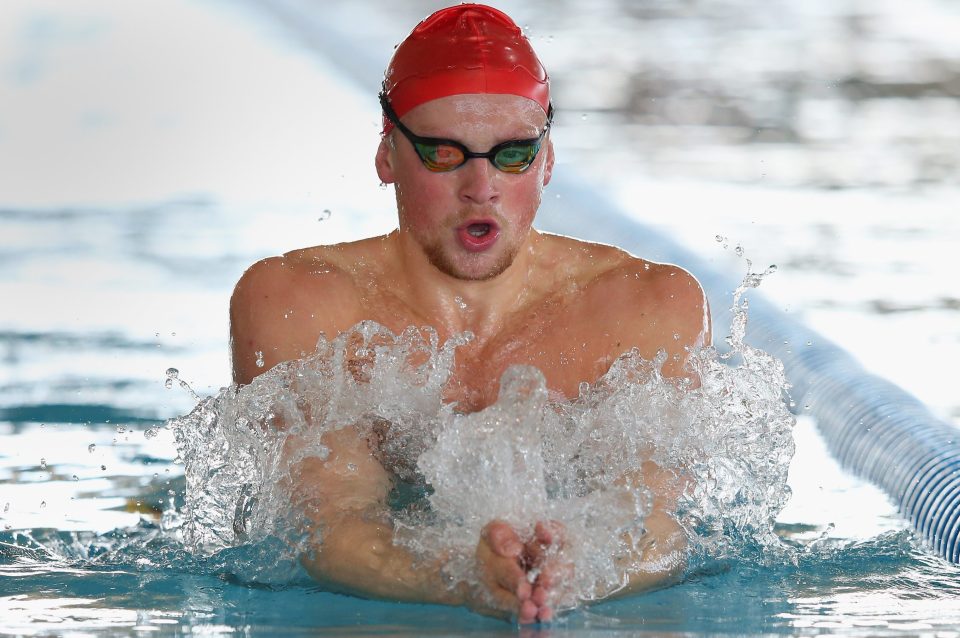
453 305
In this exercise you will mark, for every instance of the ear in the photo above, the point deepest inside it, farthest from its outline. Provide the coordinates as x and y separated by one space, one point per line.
384 161
548 164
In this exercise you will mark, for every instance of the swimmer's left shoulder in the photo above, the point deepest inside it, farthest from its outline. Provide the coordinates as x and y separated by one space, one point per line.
578 259
664 301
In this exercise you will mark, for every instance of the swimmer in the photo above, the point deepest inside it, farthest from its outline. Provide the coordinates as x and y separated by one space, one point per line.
466 144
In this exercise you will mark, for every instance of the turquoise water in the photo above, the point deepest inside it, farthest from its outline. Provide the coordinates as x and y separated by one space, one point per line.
129 220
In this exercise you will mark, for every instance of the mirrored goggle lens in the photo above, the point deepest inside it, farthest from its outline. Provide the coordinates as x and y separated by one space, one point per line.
440 157
515 158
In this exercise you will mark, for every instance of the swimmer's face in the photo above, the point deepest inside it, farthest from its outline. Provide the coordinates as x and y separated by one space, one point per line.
470 222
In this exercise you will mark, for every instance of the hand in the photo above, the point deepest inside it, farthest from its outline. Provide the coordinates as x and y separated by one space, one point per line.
500 563
520 578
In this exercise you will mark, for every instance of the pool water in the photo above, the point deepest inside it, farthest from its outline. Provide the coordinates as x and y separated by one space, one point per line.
128 208
857 570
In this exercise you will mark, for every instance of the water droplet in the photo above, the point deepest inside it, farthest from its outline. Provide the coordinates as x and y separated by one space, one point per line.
151 431
259 361
383 186
325 215
809 343
460 302
43 463
6 508
43 504
75 477
103 467
173 334
172 373
91 447
352 467
583 116
121 429
719 238
676 336
772 268
738 250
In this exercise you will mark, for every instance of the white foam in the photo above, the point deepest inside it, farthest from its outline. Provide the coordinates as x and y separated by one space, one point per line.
529 457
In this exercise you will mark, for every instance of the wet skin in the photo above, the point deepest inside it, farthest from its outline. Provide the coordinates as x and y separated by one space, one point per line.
465 257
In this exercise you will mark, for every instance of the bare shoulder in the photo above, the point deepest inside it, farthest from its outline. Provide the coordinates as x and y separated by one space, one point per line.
648 305
281 305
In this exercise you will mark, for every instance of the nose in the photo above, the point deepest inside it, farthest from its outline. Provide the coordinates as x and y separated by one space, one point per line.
478 182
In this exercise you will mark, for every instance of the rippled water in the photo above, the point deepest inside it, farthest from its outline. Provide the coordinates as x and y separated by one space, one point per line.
117 256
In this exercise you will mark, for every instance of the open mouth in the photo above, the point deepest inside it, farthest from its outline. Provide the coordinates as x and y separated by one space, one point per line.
479 230
479 235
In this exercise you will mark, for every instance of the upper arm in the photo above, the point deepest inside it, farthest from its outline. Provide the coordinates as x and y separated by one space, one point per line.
279 309
686 318
663 307
255 346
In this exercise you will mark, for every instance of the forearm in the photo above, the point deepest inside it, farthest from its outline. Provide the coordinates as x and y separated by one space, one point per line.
658 559
358 557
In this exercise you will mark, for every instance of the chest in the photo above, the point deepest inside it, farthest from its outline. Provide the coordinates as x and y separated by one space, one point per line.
570 338
569 347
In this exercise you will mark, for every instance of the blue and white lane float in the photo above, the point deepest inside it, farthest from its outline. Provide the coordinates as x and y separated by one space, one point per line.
874 428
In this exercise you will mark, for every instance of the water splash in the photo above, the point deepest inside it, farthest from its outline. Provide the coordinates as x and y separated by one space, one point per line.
528 457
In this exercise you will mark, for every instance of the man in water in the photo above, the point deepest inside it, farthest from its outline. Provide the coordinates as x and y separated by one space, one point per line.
467 147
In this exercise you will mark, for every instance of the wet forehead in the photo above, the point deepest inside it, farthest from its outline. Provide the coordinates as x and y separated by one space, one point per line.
491 117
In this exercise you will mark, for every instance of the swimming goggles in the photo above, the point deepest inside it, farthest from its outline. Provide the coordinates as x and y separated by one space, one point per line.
441 155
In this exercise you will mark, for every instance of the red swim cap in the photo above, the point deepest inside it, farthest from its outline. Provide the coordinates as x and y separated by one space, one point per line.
468 48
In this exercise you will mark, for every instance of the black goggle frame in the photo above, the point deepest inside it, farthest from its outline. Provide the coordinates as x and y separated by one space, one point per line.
532 145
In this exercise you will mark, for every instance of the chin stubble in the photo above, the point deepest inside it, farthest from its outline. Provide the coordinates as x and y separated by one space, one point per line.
444 263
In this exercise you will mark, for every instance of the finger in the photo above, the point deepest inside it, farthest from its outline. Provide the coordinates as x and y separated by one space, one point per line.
524 588
503 539
548 536
508 575
550 532
543 533
545 614
555 573
539 596
528 613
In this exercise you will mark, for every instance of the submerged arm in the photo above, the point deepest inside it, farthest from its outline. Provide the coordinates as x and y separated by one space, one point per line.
659 557
344 497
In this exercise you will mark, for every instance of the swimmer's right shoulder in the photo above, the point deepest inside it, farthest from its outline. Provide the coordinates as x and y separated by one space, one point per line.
281 305
310 267
328 278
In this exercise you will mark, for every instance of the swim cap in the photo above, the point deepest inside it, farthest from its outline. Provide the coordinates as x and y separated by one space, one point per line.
468 48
